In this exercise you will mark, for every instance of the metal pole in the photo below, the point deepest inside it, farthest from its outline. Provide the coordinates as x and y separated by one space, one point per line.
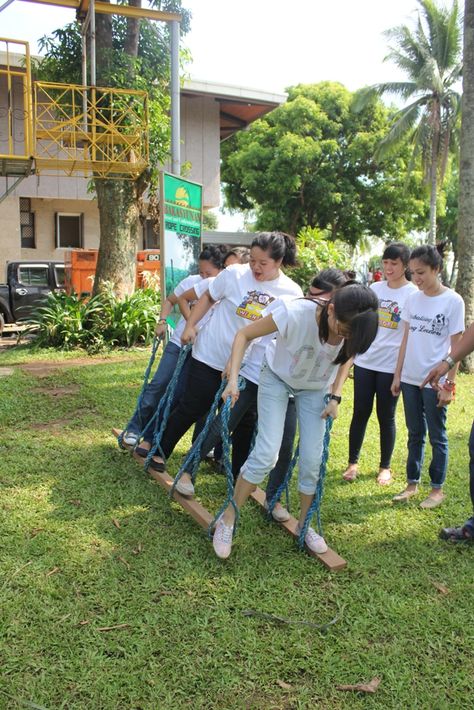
84 75
175 108
92 31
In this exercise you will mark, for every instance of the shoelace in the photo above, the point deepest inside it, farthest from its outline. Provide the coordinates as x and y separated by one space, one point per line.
224 533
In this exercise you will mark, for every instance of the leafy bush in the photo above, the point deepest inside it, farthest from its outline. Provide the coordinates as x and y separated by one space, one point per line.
67 321
316 252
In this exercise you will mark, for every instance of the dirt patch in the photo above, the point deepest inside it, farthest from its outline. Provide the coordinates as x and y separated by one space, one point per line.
58 391
6 371
54 425
43 368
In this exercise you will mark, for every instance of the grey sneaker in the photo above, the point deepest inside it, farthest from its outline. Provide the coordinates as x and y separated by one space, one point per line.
281 515
130 438
314 542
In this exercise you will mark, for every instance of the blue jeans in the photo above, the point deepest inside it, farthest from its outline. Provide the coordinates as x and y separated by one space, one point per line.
156 389
273 396
421 415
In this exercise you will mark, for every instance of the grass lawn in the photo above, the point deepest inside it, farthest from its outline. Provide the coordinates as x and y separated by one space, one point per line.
89 542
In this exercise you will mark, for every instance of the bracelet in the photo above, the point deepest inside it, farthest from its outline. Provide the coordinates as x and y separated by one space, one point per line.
449 360
336 398
162 321
449 386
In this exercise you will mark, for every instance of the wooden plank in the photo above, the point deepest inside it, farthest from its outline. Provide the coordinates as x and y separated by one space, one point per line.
330 559
190 505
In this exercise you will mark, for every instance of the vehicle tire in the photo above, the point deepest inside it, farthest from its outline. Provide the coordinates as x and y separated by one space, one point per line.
2 323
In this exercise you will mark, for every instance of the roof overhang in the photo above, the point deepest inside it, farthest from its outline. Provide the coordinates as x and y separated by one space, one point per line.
238 106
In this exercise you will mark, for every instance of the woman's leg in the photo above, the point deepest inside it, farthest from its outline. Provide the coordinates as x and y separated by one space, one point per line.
436 420
203 383
416 424
309 406
278 473
155 389
364 393
386 405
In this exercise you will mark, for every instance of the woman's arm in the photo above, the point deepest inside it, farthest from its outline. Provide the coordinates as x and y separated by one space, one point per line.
204 304
166 308
261 327
332 407
445 396
184 300
395 388
459 350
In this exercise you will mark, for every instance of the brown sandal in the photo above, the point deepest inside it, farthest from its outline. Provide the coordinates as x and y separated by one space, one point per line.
350 475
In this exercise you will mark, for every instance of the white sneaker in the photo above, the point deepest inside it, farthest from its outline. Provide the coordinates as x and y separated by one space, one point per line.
315 542
130 439
185 488
222 540
280 514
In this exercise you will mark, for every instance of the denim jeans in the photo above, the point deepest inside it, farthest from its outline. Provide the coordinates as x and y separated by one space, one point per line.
470 522
156 389
273 394
277 475
422 414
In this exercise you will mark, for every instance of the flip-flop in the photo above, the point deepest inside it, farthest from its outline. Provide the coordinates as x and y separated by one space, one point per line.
385 481
350 476
157 466
142 452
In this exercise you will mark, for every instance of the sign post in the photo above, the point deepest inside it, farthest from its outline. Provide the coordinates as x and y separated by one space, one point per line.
181 227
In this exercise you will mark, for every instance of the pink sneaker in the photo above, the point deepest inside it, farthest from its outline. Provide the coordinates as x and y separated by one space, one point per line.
315 542
222 540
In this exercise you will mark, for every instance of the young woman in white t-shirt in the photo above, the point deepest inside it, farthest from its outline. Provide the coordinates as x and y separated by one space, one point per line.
433 320
239 295
211 263
312 341
373 371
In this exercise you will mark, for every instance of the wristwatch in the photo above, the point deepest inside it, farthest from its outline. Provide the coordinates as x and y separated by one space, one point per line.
449 360
336 398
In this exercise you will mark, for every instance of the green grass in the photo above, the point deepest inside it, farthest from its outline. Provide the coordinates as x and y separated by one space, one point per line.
404 603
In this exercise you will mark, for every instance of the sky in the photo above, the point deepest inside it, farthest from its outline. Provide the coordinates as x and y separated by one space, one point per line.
264 44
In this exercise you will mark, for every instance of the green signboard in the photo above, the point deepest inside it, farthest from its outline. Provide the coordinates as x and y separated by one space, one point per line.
181 223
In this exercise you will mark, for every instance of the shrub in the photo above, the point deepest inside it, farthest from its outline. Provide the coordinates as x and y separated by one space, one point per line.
315 252
67 321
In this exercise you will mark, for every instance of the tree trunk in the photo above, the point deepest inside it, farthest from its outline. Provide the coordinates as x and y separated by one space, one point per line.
465 280
119 235
433 185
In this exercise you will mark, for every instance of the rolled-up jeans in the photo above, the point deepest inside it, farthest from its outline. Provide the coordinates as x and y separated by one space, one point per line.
156 388
421 415
273 394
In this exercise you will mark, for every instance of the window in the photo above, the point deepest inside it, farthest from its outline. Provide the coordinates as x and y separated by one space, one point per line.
33 275
27 224
151 238
68 230
60 275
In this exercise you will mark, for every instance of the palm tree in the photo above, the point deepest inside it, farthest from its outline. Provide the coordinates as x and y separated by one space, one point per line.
465 281
430 56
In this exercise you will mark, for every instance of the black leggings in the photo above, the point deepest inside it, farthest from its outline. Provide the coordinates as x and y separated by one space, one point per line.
367 384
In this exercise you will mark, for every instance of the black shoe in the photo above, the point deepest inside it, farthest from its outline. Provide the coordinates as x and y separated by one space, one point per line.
462 534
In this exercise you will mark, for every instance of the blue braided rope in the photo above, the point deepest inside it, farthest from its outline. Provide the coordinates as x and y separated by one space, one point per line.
164 407
193 459
146 378
284 485
225 435
318 495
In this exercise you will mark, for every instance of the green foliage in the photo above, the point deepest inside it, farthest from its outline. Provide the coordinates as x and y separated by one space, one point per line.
210 221
67 321
310 163
316 252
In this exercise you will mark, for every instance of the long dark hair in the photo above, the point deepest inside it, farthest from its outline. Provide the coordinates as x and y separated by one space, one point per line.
431 256
355 306
279 245
397 250
214 254
329 279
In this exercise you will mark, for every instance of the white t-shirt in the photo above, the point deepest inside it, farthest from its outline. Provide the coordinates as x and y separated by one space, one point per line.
297 355
200 285
432 321
383 353
241 301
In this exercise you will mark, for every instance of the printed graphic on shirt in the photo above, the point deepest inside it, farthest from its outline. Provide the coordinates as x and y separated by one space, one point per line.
305 360
439 325
253 304
389 314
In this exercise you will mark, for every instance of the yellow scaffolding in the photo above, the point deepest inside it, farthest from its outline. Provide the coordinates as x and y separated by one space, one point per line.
16 125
